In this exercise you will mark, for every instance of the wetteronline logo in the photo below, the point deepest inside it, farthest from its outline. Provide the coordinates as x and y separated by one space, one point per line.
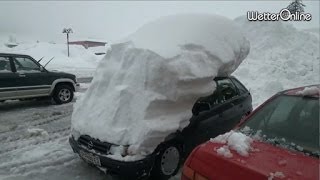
284 15
294 12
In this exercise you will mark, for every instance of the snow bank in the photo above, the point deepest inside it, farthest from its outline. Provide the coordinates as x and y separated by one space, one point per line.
281 57
235 141
144 88
81 62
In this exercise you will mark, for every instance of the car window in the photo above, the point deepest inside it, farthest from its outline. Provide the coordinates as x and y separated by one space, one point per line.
226 89
26 65
5 65
290 121
240 87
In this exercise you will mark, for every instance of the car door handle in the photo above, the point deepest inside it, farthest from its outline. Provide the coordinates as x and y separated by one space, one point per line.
22 75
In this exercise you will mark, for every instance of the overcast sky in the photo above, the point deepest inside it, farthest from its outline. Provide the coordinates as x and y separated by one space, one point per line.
113 20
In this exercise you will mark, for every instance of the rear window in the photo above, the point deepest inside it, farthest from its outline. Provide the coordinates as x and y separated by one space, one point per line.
289 121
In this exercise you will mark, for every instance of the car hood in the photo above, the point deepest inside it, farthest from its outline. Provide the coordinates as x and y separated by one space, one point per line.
264 161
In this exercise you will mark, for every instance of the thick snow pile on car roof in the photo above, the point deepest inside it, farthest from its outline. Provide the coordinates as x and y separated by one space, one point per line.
144 88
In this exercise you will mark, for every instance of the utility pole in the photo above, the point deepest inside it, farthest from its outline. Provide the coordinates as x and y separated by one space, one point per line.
67 31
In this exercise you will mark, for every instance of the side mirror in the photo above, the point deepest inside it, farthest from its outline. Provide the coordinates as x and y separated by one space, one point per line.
200 107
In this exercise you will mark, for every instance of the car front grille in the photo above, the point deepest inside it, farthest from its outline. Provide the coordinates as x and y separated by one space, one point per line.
94 144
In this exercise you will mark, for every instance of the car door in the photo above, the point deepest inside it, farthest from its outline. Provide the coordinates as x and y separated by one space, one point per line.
204 118
8 79
245 97
230 106
34 81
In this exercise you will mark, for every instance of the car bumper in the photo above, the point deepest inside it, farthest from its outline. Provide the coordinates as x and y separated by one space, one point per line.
128 169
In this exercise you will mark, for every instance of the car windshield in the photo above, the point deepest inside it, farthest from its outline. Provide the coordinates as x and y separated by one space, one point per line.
289 121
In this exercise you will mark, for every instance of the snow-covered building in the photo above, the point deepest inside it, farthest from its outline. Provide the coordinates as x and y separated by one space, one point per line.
88 43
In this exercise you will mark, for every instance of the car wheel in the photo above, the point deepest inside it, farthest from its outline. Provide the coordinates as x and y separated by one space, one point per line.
167 162
63 94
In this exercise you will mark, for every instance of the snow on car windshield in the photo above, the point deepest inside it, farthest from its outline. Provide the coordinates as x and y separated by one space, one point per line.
145 87
284 121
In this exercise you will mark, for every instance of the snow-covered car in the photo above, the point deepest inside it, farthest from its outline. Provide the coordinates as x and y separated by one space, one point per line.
134 120
279 140
213 115
22 77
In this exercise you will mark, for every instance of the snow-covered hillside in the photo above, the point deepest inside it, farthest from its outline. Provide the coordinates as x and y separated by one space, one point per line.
280 57
82 62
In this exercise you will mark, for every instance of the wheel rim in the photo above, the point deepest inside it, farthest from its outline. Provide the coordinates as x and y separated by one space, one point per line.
170 160
64 95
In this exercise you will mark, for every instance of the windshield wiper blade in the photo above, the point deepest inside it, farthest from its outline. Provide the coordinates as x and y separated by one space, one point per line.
48 62
40 59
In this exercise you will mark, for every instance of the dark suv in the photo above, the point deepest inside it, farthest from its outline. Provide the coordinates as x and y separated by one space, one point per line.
212 115
22 77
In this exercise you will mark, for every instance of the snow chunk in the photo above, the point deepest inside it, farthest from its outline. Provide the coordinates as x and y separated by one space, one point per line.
309 91
235 141
224 151
276 175
37 132
282 162
145 87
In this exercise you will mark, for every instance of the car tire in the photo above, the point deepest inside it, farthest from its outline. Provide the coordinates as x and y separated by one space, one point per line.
167 162
63 94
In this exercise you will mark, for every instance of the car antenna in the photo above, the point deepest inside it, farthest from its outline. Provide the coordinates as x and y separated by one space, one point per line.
40 59
48 62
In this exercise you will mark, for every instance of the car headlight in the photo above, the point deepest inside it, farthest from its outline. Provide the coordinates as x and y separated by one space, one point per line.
76 134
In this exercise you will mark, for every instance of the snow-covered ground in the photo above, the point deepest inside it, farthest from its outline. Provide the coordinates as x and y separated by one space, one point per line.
33 135
34 142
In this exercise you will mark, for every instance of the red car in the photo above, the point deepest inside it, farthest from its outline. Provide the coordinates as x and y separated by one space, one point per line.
279 140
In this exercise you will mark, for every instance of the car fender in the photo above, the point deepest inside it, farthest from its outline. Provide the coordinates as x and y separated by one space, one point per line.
62 80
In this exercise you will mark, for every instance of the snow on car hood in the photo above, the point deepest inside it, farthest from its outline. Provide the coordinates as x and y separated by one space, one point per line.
145 87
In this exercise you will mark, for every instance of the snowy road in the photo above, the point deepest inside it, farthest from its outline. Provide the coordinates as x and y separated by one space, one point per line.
34 143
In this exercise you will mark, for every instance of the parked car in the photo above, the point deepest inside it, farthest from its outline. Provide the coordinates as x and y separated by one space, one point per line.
287 145
213 115
22 77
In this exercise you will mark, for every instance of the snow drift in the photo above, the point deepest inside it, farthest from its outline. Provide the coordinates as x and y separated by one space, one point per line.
145 87
82 62
281 57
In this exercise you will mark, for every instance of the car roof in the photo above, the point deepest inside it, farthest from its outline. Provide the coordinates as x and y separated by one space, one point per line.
223 77
13 54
